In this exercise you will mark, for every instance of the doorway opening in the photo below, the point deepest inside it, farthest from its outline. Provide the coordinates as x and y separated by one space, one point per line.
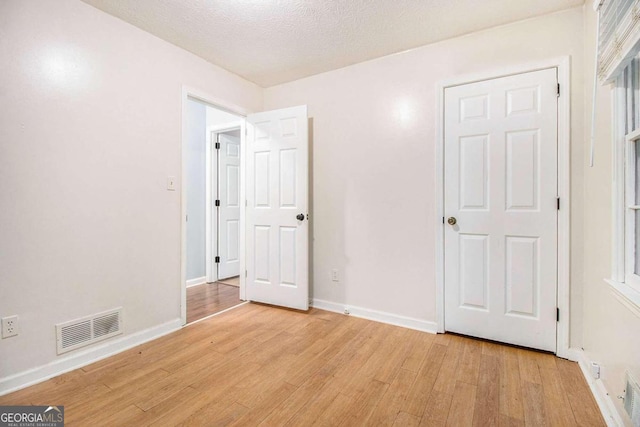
212 183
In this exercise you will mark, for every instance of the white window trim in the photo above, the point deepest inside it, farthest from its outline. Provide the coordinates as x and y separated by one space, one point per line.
625 292
630 278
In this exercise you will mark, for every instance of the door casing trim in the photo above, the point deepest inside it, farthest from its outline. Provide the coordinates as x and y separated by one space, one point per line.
563 66
186 93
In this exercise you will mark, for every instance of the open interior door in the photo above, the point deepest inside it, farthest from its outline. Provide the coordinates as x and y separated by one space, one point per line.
229 209
277 233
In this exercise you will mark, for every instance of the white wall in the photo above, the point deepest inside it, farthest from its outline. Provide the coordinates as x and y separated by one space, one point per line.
218 117
373 160
611 329
89 131
196 173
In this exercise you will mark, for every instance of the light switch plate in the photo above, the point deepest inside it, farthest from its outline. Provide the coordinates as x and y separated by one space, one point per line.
171 183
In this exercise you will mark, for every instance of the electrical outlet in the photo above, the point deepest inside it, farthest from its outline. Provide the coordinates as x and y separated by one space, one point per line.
595 370
334 275
9 326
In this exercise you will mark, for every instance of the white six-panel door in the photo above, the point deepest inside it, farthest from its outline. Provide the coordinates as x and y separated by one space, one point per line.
229 209
501 192
277 192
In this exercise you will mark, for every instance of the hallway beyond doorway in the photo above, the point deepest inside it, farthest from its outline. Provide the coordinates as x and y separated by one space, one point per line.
210 298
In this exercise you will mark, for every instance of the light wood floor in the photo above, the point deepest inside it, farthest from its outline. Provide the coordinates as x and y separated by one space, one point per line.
233 281
259 365
209 298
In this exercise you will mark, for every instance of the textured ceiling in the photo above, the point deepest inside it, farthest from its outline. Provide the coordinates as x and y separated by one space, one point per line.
276 41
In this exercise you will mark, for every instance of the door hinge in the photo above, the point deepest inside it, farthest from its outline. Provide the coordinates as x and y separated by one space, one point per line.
557 314
217 145
246 273
558 203
217 260
558 89
217 202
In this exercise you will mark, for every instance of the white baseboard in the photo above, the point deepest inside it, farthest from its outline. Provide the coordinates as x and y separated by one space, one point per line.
197 281
84 357
603 399
378 316
573 354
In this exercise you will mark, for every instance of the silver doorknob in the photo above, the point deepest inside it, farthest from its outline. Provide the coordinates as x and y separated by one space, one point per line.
452 220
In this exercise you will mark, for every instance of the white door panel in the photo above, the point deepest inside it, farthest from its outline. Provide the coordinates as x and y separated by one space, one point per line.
501 187
277 191
229 210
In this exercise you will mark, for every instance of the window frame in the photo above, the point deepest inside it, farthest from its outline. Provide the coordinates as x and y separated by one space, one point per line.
631 207
626 289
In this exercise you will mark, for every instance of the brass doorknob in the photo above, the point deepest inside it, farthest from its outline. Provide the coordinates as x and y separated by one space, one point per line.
452 220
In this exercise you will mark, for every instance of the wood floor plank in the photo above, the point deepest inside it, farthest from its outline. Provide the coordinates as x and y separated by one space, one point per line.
432 422
260 365
462 405
220 412
262 407
113 401
113 418
437 409
287 410
316 406
334 413
363 407
406 420
173 412
533 404
469 365
256 388
420 343
583 405
209 298
487 405
506 421
391 403
393 360
368 358
447 375
510 384
420 392
491 349
529 369
556 404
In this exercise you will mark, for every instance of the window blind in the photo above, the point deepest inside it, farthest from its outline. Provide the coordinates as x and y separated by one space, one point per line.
619 34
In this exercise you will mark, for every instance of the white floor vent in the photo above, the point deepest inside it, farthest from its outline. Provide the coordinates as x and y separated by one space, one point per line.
632 400
88 330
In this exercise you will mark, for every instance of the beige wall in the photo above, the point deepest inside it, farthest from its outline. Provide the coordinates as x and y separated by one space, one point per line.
611 330
89 132
374 160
